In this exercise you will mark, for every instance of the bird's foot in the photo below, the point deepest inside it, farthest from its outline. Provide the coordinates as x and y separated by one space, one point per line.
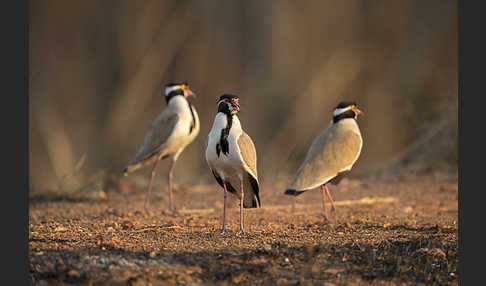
174 212
326 220
146 210
224 229
333 212
172 208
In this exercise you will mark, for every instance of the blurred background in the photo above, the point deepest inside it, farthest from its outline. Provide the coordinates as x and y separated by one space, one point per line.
97 69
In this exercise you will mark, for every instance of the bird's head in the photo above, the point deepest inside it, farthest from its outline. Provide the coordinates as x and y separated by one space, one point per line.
345 109
173 89
229 104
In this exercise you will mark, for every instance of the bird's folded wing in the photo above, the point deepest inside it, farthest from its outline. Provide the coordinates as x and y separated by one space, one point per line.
248 154
161 130
331 152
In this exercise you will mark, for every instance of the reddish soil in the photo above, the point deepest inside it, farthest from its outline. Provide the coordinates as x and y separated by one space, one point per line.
385 232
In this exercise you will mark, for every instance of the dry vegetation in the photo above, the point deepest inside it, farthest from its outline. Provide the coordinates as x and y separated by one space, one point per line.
96 71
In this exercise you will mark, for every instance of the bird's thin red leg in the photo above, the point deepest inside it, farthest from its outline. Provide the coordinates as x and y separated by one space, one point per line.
242 197
149 188
171 170
223 229
333 209
323 193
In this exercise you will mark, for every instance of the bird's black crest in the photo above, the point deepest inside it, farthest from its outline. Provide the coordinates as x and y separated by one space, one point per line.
344 104
228 96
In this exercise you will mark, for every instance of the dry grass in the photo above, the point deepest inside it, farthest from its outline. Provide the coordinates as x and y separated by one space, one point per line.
96 71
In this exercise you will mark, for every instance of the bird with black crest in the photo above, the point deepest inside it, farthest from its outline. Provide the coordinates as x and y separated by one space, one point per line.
171 132
232 158
331 155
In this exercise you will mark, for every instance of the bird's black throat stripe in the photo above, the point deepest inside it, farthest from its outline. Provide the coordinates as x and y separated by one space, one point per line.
218 149
181 93
223 144
193 123
348 114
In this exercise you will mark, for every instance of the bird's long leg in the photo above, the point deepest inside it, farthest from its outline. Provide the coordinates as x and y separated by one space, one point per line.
171 170
242 197
333 209
149 188
223 229
323 193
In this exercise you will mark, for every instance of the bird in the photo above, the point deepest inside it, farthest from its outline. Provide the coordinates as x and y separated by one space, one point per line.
232 158
331 155
172 131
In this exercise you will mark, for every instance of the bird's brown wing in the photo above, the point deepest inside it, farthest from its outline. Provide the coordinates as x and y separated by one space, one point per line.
249 156
156 137
332 151
248 153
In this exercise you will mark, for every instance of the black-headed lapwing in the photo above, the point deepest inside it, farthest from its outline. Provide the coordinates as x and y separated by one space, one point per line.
232 158
175 128
331 155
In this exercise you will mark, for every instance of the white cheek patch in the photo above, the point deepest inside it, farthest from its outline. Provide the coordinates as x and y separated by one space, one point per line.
338 111
170 89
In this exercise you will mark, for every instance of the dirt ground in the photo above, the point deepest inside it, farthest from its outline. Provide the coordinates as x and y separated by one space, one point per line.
385 232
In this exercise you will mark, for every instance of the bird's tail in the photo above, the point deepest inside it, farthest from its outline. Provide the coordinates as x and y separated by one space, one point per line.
250 203
131 168
293 192
252 194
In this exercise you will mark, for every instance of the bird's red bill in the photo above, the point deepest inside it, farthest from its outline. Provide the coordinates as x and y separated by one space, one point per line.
189 92
235 104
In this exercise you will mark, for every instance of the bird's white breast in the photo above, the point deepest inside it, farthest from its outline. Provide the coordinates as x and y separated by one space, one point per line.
226 165
180 137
